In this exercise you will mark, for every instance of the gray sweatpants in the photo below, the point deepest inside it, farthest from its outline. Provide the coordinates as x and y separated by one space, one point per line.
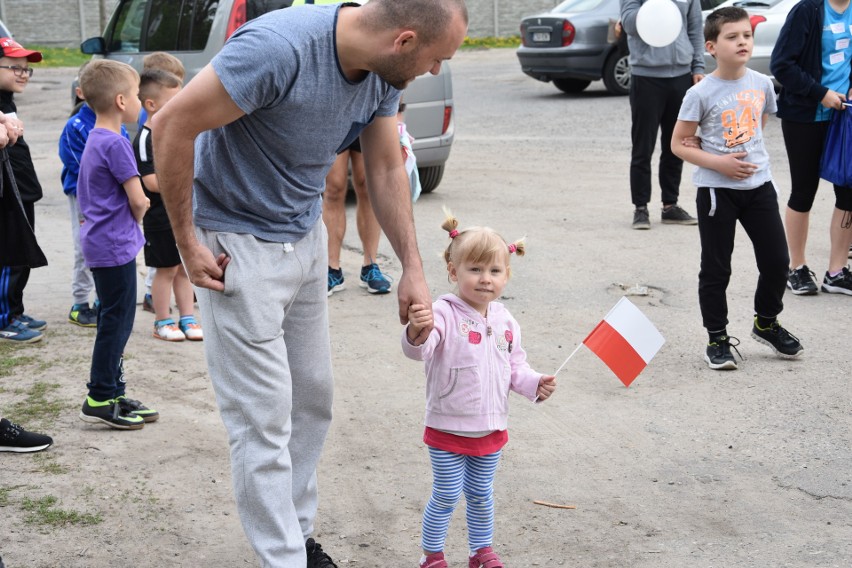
267 344
82 283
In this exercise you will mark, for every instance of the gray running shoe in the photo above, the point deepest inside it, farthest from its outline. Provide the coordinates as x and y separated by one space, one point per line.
676 215
641 219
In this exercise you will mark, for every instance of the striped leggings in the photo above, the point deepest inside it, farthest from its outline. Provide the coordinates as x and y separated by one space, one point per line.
453 474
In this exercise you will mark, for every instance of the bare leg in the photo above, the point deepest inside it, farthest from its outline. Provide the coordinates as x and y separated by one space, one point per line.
183 292
161 291
334 206
797 224
840 240
368 226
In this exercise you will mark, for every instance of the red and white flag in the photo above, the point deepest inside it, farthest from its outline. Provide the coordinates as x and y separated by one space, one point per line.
625 340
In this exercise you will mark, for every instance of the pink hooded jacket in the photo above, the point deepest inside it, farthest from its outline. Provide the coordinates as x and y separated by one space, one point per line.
471 365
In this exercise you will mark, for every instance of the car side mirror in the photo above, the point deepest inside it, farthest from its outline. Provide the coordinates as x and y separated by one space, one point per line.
93 46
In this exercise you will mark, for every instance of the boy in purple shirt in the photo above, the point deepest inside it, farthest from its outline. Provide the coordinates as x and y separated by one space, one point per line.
112 203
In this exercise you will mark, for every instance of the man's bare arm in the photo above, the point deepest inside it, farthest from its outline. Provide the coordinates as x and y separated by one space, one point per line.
390 196
203 105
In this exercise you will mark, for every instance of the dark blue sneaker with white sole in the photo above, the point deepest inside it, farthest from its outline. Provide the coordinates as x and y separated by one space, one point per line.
335 280
373 280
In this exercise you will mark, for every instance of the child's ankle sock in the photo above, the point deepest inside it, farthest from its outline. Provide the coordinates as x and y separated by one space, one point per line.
835 274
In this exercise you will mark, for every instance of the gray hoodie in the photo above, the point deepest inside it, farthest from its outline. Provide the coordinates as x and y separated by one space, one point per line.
684 56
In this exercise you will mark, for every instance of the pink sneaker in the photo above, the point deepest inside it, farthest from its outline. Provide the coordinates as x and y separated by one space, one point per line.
485 558
434 560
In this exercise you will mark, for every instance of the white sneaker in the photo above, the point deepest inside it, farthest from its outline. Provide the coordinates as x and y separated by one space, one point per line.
167 330
191 329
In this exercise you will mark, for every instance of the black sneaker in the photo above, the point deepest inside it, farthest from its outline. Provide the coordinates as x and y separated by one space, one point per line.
640 218
13 438
801 281
83 315
316 557
785 344
130 406
111 413
719 356
676 215
840 284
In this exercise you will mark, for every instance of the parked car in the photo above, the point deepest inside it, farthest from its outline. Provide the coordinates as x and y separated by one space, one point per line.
574 44
767 17
195 30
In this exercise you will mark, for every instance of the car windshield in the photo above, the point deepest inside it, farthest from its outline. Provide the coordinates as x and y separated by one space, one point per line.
577 6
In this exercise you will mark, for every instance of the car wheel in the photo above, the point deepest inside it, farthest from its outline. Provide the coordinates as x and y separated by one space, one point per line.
616 74
430 178
571 85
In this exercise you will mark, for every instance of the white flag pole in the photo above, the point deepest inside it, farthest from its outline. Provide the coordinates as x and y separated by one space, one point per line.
566 360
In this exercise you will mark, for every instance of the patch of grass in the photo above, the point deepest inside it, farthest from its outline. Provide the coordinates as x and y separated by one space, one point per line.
488 42
36 407
10 359
47 464
43 512
60 56
4 495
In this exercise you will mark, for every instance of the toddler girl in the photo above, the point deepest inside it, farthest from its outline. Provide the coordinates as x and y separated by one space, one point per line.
473 359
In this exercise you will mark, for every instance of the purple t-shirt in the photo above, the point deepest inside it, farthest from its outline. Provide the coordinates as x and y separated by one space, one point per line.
110 236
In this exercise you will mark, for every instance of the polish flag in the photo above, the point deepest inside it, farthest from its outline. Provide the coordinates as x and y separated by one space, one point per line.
625 340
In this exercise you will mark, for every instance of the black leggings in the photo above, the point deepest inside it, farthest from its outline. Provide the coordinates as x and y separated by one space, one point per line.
804 142
719 209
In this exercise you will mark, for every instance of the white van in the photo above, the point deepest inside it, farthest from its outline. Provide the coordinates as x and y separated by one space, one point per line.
195 30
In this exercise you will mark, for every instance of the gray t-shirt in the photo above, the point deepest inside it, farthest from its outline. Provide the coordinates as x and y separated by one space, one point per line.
264 174
730 117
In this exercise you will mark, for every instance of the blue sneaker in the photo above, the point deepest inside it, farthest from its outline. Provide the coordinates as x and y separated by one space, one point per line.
373 280
335 280
19 332
32 323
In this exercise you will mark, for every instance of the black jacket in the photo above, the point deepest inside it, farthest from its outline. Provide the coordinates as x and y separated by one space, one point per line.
22 161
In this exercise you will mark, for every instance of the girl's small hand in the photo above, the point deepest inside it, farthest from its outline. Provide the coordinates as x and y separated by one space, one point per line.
546 386
419 318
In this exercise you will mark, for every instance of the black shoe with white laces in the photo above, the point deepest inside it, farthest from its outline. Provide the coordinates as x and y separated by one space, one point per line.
785 344
801 281
13 438
317 558
719 356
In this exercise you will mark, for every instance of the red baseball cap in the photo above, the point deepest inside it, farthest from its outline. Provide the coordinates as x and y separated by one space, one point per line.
11 48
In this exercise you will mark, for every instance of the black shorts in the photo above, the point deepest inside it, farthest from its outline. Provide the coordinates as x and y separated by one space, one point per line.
355 146
161 249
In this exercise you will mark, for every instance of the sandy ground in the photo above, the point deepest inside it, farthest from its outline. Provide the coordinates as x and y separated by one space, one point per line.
687 467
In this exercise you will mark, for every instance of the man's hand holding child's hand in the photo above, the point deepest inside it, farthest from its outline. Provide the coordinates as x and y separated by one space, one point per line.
419 318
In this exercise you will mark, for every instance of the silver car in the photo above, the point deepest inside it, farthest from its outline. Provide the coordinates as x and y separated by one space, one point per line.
767 18
574 44
195 30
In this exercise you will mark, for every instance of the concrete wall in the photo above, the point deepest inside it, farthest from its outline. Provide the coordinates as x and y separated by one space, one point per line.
61 23
502 18
65 23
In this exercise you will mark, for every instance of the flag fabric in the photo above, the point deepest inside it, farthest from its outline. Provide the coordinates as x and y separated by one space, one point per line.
625 340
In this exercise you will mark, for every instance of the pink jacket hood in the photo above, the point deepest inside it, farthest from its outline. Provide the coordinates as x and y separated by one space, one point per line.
472 363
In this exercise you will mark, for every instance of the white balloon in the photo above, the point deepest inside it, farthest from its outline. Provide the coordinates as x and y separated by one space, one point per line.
659 22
